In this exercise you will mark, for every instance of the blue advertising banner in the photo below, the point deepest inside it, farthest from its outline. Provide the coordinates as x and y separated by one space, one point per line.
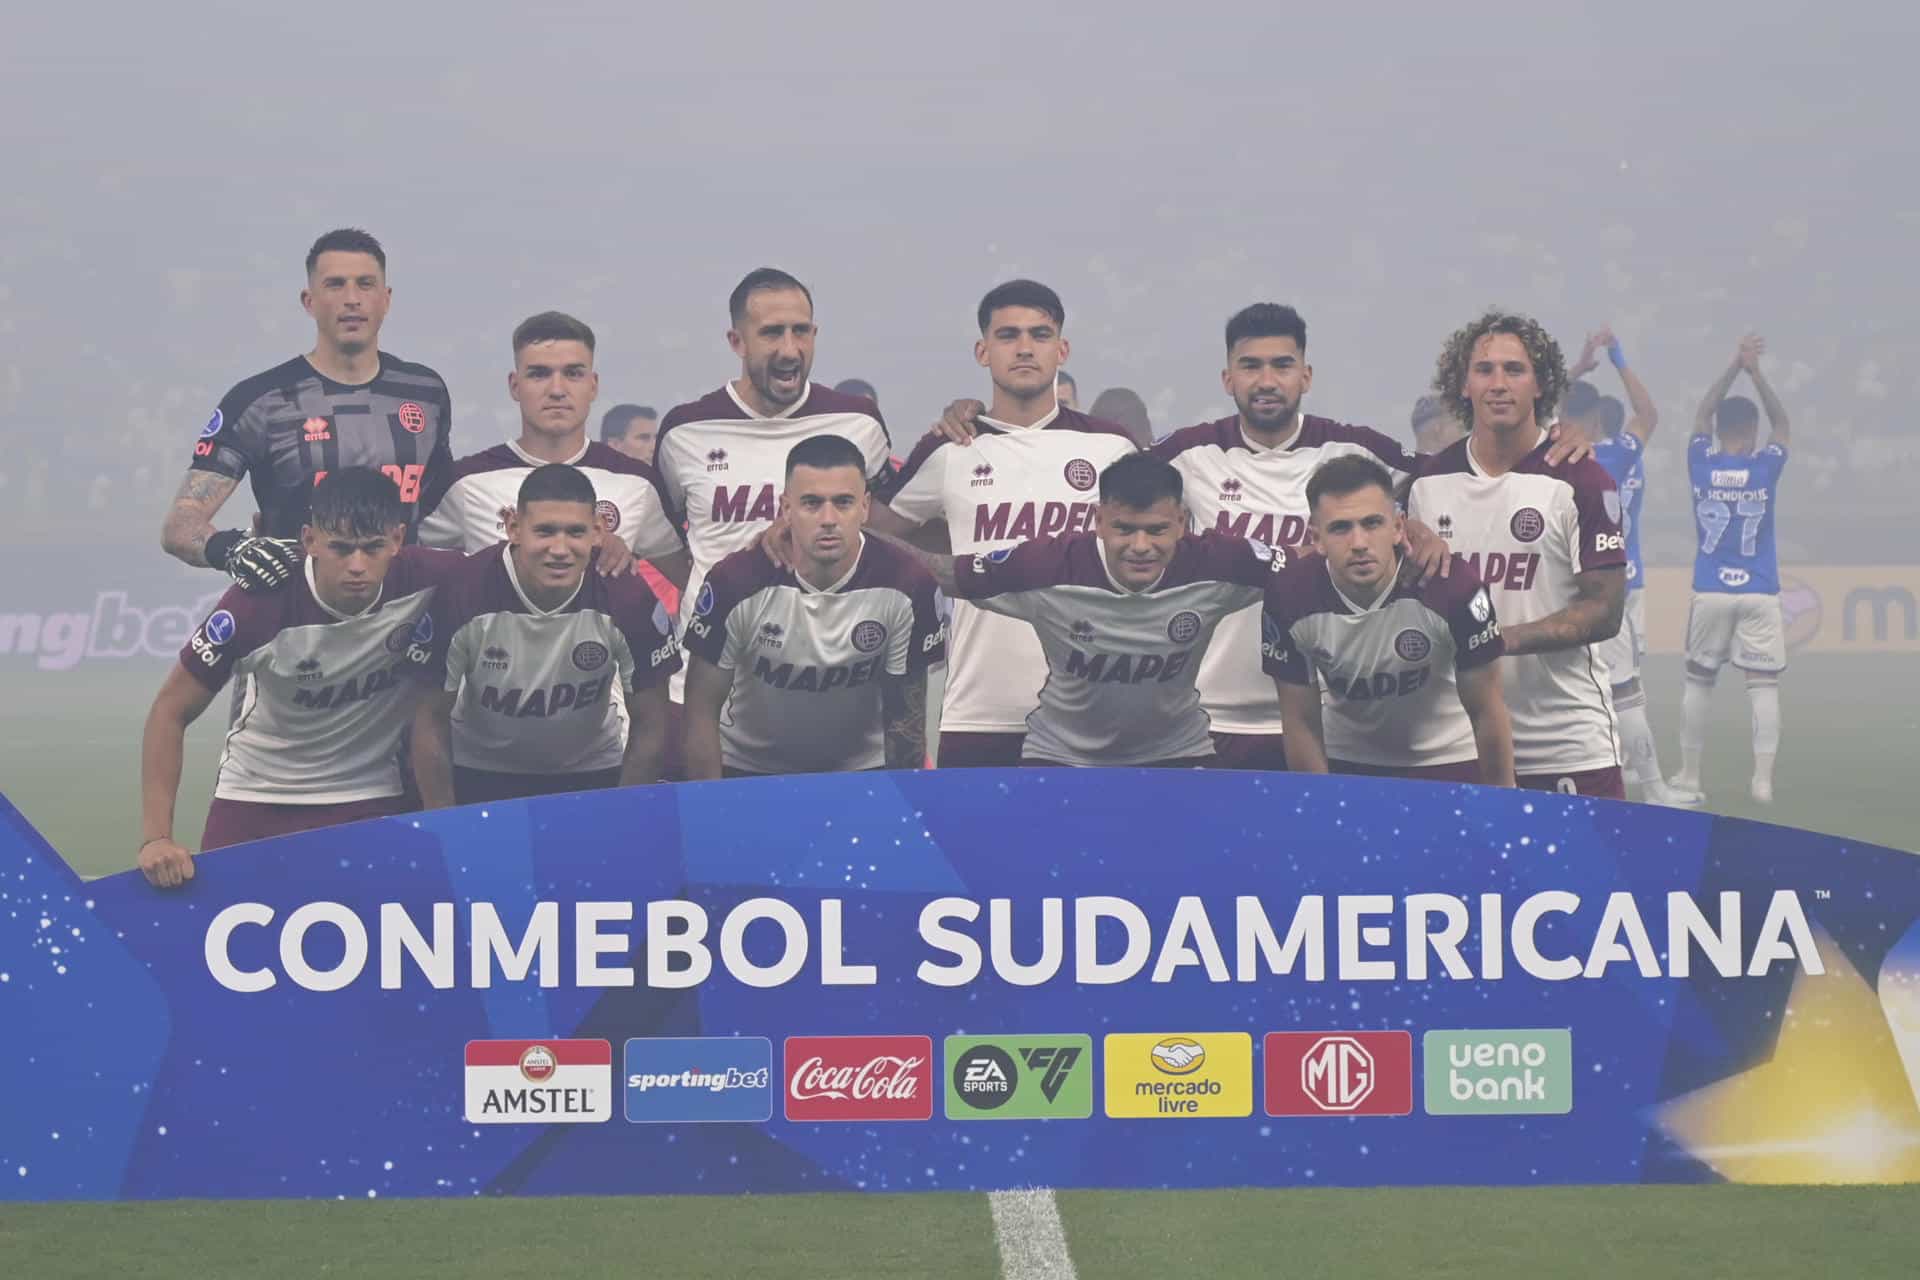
1152 979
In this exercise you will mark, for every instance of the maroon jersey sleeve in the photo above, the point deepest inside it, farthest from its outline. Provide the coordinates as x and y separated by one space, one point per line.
1246 562
996 580
929 628
1289 597
239 624
1598 542
643 623
1465 603
459 585
733 581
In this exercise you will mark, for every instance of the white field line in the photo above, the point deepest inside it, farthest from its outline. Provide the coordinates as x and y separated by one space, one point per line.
1032 1241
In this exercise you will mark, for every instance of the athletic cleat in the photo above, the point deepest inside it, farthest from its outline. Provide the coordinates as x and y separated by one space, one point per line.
1684 793
1761 791
1660 793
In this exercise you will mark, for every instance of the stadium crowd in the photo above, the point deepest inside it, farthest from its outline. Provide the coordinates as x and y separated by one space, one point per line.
754 583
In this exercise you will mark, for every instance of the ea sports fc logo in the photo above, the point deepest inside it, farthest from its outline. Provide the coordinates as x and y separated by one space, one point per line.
1178 1056
608 515
1081 474
1527 524
1183 626
1413 646
538 1064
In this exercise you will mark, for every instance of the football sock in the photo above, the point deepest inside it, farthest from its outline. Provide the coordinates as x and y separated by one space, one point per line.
1636 735
1695 704
1763 694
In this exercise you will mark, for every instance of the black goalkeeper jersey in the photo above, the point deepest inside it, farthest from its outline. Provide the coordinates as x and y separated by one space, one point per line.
289 426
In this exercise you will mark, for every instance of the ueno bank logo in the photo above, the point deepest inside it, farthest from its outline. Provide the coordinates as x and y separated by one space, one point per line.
859 1078
1499 1073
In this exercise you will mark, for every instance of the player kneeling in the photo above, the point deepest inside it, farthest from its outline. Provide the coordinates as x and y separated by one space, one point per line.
329 664
535 648
816 664
1412 688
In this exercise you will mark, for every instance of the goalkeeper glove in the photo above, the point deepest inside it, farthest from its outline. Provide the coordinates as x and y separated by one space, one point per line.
256 563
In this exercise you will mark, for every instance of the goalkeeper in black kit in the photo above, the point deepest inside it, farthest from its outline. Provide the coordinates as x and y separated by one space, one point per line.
345 403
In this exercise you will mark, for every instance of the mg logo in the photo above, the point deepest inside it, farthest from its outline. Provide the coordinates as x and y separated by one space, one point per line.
1337 1073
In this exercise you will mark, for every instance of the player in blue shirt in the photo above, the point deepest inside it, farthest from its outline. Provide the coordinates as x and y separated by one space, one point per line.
1736 577
1619 445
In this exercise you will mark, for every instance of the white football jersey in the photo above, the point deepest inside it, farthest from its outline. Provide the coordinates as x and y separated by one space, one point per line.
1527 534
1233 486
1009 485
1120 663
807 661
1389 696
724 466
543 691
326 695
630 499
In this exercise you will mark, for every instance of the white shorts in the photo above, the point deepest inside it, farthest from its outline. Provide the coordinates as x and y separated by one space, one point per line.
1624 652
1746 630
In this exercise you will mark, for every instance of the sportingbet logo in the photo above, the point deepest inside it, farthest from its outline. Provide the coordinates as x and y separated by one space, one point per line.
859 1078
1341 1073
699 1079
1018 1077
539 1081
1499 1073
1179 1076
112 629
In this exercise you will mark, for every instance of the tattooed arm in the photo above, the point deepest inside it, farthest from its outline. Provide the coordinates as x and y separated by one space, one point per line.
189 520
903 701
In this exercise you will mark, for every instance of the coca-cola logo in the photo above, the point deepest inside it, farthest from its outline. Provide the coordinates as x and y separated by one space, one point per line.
859 1078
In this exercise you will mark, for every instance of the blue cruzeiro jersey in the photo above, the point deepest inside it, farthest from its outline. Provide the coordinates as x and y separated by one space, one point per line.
1623 455
1734 496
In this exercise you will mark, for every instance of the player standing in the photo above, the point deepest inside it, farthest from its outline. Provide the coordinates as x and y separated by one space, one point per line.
1736 573
539 658
1545 540
1031 471
1247 474
1123 614
554 383
723 456
632 429
1412 689
345 403
1619 445
821 666
328 664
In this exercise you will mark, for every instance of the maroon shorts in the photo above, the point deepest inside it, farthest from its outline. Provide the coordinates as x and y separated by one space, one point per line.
1465 771
477 786
1606 782
1249 751
963 750
238 821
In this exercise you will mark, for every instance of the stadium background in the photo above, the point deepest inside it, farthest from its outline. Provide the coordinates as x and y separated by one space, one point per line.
1681 174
